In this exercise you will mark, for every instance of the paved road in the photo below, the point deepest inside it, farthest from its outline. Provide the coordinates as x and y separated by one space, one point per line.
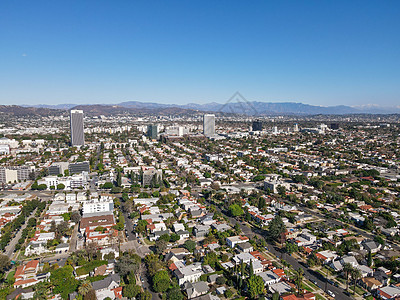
73 240
353 228
133 242
142 250
11 246
308 273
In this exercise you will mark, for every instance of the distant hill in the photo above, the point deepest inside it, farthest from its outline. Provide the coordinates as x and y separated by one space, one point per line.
255 108
16 110
268 108
139 110
57 106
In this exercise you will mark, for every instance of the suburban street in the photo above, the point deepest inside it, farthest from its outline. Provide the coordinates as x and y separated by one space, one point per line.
308 273
11 246
141 249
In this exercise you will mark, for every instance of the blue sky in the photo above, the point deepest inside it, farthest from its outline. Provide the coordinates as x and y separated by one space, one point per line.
315 52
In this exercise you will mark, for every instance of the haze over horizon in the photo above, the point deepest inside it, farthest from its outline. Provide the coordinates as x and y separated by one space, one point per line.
176 52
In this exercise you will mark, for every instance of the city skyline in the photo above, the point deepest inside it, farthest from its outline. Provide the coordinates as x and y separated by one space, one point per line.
315 53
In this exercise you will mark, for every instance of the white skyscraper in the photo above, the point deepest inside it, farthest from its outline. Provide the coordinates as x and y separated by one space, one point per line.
77 135
209 125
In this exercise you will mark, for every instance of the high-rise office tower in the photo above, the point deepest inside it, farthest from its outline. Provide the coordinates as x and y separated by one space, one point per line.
152 131
209 125
77 135
257 125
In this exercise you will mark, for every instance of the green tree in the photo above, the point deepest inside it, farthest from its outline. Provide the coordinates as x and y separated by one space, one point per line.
210 259
174 237
276 296
281 191
298 279
42 187
165 237
42 290
291 248
355 275
107 185
75 216
255 286
131 290
347 269
91 295
119 179
369 259
221 280
160 246
141 226
190 245
145 295
161 281
128 264
235 210
85 287
276 228
251 269
60 186
175 294
261 203
64 281
5 262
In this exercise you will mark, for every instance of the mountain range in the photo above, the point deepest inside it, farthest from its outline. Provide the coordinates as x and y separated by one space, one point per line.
254 108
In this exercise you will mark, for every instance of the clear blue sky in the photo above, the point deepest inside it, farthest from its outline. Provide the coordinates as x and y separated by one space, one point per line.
317 52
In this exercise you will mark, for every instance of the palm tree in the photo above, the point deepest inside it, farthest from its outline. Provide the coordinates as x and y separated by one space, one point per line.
347 269
85 287
41 290
355 275
298 279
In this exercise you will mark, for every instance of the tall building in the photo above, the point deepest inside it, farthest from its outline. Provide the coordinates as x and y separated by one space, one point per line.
152 131
334 126
209 125
57 168
257 125
77 135
15 173
79 167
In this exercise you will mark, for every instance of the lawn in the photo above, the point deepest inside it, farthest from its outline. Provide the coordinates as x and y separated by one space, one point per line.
306 287
312 285
10 277
89 267
319 297
359 290
325 270
148 242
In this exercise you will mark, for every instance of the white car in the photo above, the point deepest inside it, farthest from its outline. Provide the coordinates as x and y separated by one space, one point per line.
330 293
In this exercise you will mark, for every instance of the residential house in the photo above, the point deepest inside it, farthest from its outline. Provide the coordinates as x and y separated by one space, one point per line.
234 240
245 247
108 287
389 292
196 289
190 273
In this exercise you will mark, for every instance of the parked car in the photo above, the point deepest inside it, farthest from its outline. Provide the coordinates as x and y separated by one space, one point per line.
366 295
330 293
314 281
331 282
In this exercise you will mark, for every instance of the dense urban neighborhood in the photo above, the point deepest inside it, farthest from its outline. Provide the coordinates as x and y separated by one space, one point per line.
199 206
